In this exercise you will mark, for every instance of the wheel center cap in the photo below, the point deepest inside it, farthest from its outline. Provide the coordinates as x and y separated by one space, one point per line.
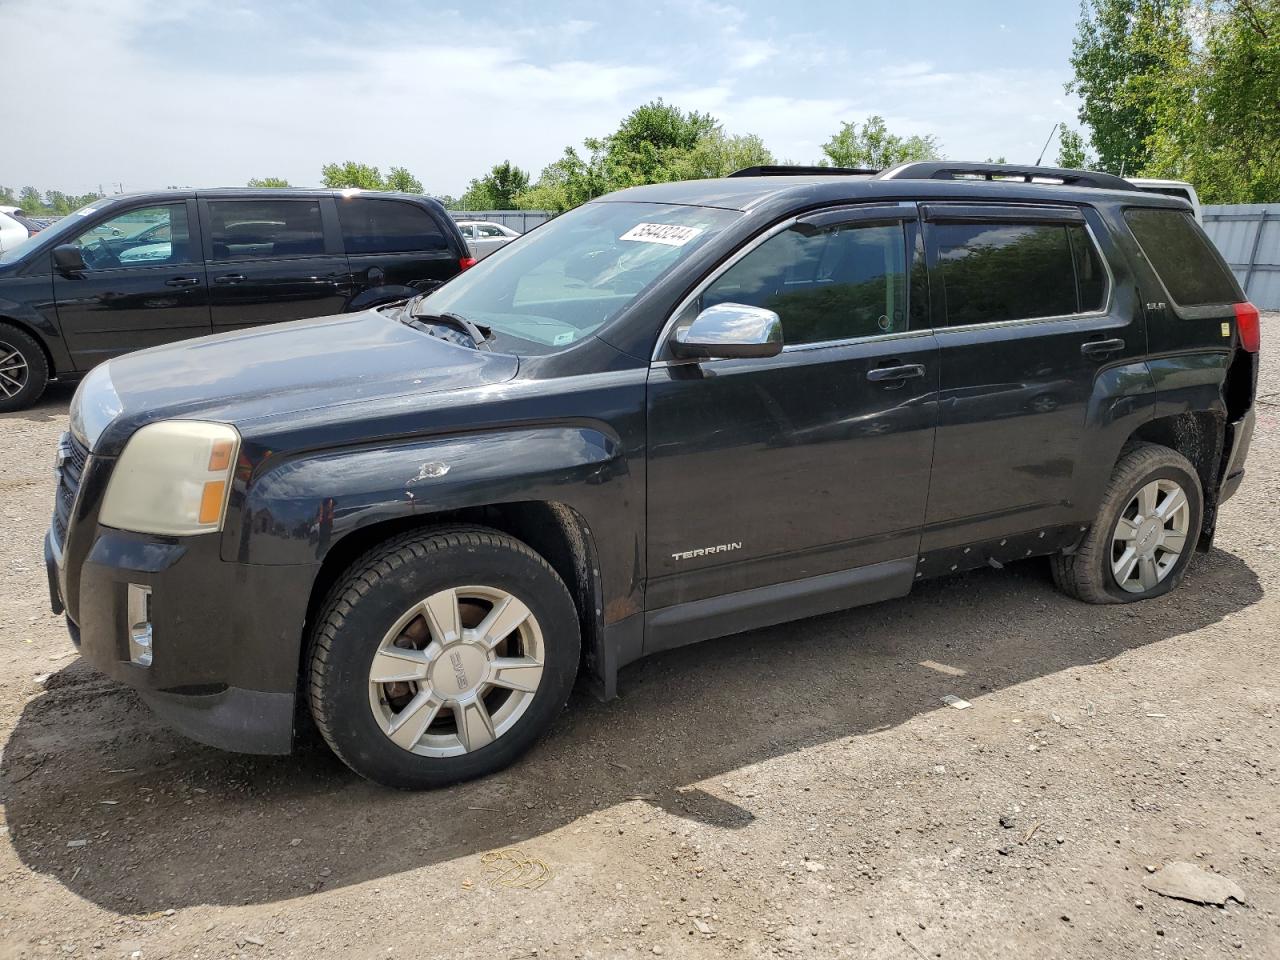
459 669
1149 534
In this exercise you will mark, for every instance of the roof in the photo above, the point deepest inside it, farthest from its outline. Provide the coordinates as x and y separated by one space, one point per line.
751 193
265 193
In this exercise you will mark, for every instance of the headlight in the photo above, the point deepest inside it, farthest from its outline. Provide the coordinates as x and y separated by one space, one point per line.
172 479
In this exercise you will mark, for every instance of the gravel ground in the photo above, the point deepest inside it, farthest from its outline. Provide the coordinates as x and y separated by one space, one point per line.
799 790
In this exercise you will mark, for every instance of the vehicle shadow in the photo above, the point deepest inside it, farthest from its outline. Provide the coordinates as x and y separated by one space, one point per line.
51 405
170 824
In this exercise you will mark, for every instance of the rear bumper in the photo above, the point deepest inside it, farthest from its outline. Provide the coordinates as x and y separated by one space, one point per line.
226 636
1238 437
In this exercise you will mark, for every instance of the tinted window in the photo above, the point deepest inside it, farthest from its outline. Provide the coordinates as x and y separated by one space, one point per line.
148 236
837 284
1182 255
998 271
1091 276
387 226
247 229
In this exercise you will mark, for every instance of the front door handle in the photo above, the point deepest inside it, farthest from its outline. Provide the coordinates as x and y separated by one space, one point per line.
1100 348
182 282
904 372
229 278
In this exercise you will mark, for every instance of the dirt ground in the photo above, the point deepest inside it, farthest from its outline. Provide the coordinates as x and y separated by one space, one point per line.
797 791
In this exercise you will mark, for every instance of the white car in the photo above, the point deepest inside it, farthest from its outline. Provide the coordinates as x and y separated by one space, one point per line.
484 236
1171 188
12 232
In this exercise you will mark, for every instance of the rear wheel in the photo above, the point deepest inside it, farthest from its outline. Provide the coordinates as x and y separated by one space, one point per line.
1145 534
24 370
442 656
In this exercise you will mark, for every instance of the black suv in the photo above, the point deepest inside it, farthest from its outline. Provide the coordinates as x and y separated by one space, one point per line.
677 412
142 270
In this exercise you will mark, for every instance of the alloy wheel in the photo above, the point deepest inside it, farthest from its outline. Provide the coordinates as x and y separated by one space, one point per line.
13 370
1150 535
456 671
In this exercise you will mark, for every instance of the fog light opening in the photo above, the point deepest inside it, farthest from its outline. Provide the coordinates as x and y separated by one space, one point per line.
140 624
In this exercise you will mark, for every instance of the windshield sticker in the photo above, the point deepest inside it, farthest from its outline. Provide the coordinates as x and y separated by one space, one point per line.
562 338
670 234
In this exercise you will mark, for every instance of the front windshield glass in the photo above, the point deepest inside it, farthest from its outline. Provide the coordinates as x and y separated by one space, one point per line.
52 234
572 275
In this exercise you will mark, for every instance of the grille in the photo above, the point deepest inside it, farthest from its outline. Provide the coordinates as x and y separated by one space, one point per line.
73 456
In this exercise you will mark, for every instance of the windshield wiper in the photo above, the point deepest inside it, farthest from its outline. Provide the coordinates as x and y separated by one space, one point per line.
479 333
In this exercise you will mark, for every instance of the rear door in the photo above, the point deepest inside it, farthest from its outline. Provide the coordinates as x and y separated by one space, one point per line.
144 283
1026 320
394 242
273 259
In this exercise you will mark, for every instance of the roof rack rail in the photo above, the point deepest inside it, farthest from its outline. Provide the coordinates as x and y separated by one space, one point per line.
951 170
795 170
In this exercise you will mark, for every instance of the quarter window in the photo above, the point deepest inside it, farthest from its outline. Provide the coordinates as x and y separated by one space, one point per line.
256 229
1188 265
149 236
387 226
836 284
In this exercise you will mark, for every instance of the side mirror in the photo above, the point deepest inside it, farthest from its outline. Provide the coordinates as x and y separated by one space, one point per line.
729 331
68 258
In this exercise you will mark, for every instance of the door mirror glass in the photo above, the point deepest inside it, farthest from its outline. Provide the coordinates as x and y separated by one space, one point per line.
68 258
729 330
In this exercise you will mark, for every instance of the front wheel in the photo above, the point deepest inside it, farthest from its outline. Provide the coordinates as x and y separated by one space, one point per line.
442 656
24 370
1145 534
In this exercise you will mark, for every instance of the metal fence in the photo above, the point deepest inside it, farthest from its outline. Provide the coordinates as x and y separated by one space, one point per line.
1248 236
521 220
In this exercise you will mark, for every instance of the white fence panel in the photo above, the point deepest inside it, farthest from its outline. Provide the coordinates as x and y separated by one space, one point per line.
1248 236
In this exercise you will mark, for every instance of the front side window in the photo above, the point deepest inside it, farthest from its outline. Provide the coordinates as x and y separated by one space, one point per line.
148 236
841 283
577 272
387 226
1183 257
998 271
488 230
256 229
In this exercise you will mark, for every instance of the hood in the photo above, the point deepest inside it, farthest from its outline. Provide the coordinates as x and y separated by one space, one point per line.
288 367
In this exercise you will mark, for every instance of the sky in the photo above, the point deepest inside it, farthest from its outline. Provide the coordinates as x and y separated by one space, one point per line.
143 94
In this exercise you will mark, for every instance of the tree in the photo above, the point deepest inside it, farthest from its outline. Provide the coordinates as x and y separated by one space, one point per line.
351 174
7 198
274 183
1071 150
718 154
402 181
875 147
29 199
1124 51
497 189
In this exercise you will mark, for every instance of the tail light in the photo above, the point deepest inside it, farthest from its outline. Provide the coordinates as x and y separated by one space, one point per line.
466 263
1248 323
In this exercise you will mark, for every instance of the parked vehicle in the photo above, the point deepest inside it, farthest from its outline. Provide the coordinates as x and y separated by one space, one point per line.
677 412
138 271
1172 188
12 230
484 236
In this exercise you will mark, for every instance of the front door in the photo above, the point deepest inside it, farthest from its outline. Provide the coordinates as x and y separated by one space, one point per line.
144 284
786 469
273 259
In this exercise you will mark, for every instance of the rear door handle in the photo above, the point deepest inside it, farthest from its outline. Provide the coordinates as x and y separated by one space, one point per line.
904 372
182 282
1100 348
229 278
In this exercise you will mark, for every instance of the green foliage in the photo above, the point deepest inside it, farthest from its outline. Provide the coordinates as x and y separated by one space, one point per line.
402 181
29 199
1072 153
7 198
351 174
54 203
496 190
275 183
875 147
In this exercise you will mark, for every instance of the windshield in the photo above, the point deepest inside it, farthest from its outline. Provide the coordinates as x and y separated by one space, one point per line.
559 283
54 233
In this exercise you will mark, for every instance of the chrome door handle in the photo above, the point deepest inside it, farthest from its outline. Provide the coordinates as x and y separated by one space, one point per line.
1100 348
904 372
229 278
182 282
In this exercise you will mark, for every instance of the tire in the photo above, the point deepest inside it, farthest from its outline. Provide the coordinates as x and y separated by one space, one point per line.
1092 572
24 369
377 617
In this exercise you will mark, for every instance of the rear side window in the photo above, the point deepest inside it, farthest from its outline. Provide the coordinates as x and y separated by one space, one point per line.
254 229
1183 257
387 226
997 271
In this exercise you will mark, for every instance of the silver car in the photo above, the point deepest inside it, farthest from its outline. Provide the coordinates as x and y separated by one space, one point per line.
485 236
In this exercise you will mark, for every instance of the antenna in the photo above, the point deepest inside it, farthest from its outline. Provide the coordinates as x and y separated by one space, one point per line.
1046 143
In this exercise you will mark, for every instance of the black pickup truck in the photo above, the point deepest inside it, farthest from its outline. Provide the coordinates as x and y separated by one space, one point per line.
677 412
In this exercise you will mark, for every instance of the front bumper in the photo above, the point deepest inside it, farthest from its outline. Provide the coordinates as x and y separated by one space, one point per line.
226 636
